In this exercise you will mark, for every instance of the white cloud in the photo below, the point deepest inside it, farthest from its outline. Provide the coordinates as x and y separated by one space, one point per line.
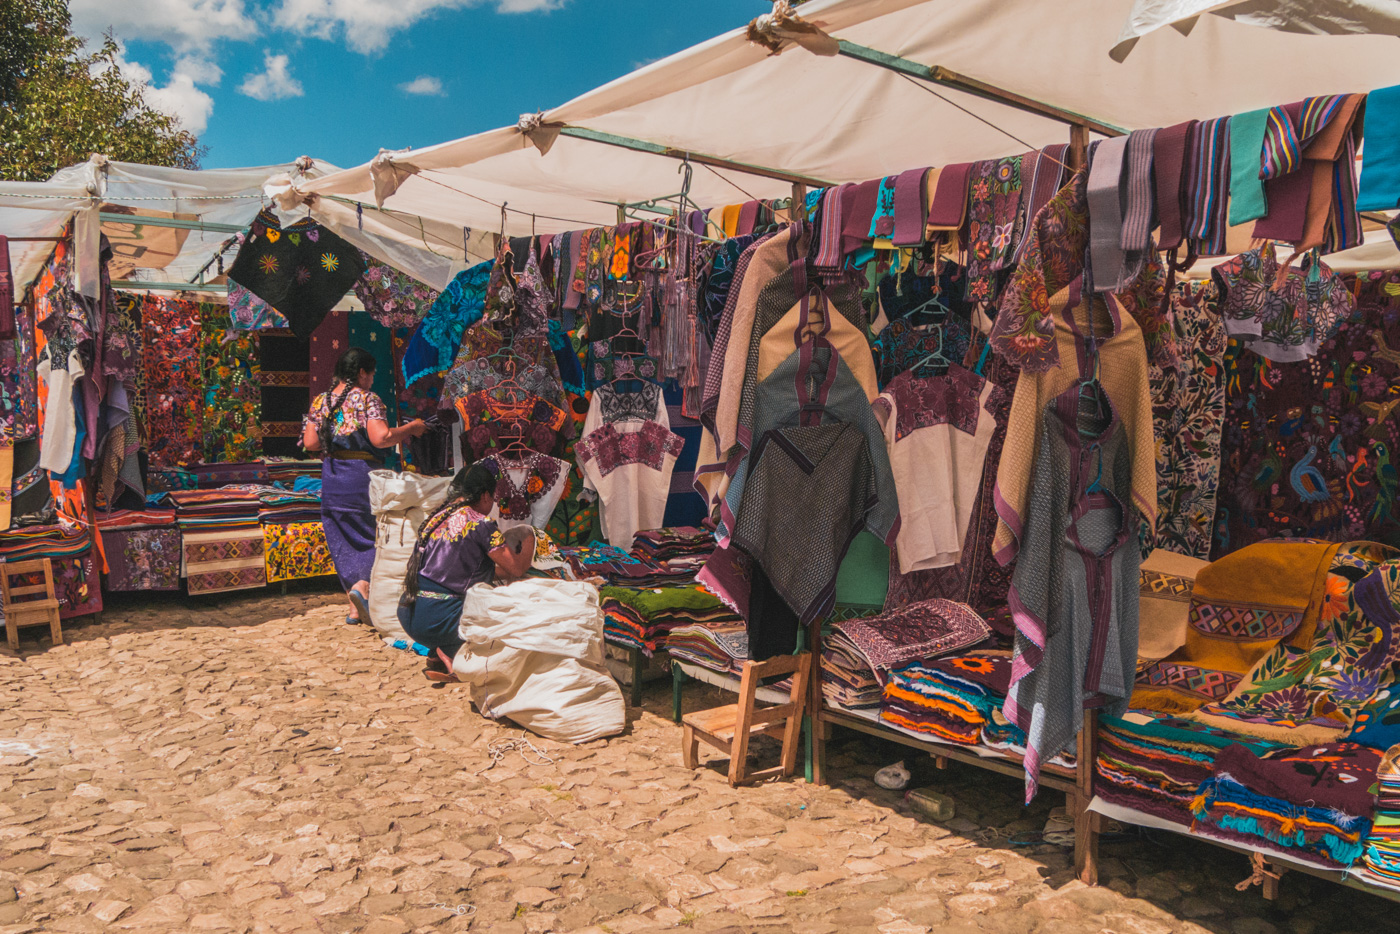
184 25
274 82
423 86
367 25
527 6
179 97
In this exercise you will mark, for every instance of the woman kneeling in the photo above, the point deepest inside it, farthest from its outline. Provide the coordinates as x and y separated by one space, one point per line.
458 547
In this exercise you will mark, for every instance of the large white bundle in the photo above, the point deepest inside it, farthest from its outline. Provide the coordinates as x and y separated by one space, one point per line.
400 502
533 653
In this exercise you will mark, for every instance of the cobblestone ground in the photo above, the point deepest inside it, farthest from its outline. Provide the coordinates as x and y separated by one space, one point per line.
253 764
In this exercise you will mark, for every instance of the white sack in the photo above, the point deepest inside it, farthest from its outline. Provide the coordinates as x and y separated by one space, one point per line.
533 653
400 503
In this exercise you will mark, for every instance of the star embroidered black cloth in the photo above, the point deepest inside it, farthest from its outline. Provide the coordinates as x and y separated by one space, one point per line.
289 276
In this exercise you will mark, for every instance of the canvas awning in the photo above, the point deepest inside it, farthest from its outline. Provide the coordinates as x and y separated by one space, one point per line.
857 115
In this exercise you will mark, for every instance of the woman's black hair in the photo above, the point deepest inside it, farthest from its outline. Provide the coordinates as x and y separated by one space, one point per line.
347 372
468 487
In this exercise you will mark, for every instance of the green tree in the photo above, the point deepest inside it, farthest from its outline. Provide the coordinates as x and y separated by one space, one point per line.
60 102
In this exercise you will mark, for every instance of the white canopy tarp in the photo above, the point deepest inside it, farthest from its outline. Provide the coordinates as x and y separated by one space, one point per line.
431 251
839 119
1317 17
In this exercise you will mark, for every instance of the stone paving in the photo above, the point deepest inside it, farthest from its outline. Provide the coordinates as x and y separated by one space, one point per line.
250 763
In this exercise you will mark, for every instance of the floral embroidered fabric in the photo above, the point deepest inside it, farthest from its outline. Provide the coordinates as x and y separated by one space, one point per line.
1188 414
993 209
1309 449
638 405
610 449
174 384
1053 262
1285 322
393 298
296 551
232 426
433 347
513 498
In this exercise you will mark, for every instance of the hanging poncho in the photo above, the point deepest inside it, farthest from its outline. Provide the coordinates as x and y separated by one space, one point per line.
289 276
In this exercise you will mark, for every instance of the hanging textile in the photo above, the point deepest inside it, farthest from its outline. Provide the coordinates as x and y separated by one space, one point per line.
528 488
1309 448
232 425
1188 415
296 551
393 298
434 345
142 558
1284 321
289 276
937 430
993 211
171 337
224 560
368 334
330 339
629 464
1074 593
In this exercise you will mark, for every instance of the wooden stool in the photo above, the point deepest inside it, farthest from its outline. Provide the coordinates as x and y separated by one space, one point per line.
29 612
729 728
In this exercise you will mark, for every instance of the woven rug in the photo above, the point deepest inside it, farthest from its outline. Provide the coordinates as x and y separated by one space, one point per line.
215 562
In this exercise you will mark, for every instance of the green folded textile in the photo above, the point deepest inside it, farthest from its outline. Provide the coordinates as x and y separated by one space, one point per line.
655 600
1246 153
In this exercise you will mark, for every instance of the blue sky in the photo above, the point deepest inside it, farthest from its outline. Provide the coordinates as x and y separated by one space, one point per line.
263 81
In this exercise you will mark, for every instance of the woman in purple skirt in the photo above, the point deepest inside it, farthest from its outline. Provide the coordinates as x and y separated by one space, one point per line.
349 427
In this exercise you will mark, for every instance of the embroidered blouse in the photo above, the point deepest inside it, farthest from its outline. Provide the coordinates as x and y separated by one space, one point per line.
629 465
456 550
937 431
352 419
527 490
1284 324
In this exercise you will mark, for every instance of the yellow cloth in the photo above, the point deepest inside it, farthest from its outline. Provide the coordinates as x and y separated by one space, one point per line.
731 219
777 345
1241 607
1166 580
1123 375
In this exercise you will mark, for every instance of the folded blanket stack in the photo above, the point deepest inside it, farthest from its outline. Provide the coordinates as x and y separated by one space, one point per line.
278 506
1317 800
76 574
683 548
644 617
720 646
142 548
285 471
597 559
1380 865
1155 764
951 699
214 510
861 652
847 678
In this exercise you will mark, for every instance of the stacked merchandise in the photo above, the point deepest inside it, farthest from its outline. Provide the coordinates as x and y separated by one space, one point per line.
861 653
76 580
294 541
681 549
1316 801
949 699
221 540
1155 764
1000 734
1380 865
284 471
847 678
142 547
720 647
644 618
597 559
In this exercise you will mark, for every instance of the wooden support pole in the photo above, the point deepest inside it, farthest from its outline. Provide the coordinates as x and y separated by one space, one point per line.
656 149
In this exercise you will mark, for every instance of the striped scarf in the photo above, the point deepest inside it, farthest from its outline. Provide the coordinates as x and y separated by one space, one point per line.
1284 142
829 255
1208 185
1138 206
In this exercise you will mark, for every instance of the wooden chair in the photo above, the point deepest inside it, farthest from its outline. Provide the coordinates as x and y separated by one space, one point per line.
729 728
33 611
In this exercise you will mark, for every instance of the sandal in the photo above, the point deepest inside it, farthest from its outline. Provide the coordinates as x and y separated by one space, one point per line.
351 620
361 607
